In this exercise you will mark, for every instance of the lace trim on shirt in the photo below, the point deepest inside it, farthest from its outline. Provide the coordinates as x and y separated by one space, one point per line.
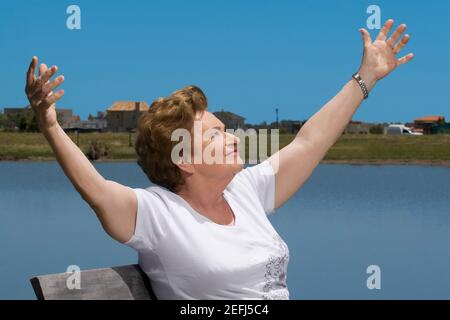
275 287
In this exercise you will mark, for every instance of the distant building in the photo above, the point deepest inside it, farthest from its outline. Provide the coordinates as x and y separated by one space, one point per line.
357 127
97 123
65 116
122 116
429 124
230 119
289 126
13 112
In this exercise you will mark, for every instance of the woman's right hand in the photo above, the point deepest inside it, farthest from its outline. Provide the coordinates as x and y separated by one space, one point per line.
40 93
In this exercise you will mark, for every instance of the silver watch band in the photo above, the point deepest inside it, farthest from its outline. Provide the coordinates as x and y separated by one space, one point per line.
362 84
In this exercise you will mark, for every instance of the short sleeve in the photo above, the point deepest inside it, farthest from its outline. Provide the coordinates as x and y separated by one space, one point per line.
150 221
261 178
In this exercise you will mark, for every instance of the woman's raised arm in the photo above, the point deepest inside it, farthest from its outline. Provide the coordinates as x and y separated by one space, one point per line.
114 204
295 163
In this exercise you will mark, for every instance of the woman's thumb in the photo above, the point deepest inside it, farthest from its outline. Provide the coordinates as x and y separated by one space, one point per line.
365 36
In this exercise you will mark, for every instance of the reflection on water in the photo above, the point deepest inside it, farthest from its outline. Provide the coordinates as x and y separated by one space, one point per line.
345 218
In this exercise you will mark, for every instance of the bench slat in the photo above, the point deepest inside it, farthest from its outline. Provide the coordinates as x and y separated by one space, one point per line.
116 283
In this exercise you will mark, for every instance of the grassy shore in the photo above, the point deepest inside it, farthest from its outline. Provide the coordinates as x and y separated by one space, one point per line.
356 149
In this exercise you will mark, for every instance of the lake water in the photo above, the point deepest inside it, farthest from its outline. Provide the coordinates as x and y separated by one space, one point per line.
345 218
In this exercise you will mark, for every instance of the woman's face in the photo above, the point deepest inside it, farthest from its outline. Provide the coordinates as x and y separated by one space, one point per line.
220 156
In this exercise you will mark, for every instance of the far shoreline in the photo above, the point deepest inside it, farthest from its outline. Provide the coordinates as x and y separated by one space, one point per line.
360 162
440 163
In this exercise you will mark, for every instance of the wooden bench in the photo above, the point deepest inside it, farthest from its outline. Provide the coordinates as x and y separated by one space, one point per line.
116 283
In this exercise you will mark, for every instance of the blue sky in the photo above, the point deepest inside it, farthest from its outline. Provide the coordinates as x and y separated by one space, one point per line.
248 56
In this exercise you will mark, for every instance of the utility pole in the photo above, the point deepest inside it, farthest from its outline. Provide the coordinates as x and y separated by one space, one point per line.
276 112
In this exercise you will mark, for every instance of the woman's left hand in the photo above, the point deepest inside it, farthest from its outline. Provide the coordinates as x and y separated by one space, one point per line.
379 58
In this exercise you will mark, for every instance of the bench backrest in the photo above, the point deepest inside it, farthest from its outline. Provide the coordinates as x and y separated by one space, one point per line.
116 283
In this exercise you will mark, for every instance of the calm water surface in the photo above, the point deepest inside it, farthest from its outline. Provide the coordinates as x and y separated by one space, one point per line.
345 218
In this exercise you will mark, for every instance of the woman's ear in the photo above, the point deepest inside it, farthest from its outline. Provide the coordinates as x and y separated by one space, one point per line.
185 166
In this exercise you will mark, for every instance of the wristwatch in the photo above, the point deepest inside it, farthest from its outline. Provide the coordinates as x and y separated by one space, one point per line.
362 84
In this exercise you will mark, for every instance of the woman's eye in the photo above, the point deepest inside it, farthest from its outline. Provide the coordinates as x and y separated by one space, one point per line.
216 133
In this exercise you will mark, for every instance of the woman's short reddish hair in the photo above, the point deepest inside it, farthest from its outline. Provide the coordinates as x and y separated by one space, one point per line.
153 141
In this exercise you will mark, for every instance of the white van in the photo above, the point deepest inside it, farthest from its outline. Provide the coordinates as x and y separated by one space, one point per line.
394 129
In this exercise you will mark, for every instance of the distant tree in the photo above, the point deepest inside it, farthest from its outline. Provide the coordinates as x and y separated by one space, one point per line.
26 121
22 122
3 121
376 129
90 117
10 122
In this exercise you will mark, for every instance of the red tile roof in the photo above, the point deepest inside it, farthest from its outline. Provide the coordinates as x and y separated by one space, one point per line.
128 106
431 119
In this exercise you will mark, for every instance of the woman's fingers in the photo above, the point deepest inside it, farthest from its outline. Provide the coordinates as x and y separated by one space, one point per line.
40 90
385 30
47 74
42 68
48 88
396 35
52 98
405 59
366 37
399 46
31 75
53 84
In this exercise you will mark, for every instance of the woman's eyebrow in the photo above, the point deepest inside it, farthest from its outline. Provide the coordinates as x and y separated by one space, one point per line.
219 128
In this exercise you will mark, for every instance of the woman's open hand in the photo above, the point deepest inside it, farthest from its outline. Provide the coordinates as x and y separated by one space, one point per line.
40 93
379 58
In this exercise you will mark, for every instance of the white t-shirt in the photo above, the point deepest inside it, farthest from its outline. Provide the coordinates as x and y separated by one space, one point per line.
188 256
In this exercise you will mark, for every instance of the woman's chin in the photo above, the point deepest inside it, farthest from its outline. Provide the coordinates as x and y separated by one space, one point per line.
236 164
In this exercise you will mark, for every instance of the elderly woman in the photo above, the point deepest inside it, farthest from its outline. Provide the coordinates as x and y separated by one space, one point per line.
202 231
